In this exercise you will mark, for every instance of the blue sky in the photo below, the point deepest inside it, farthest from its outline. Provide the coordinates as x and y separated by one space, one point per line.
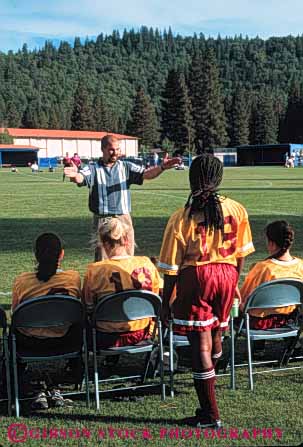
34 21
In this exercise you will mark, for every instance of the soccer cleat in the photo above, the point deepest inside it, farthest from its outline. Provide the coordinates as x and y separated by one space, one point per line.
201 421
195 421
215 424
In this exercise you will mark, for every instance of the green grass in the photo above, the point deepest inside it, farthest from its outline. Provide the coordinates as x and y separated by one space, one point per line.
31 204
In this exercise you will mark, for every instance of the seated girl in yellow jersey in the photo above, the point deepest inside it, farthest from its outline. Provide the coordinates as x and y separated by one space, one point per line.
279 264
47 280
202 252
119 272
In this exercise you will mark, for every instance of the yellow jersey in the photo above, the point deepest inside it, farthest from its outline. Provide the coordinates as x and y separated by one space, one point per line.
265 271
187 242
28 286
117 274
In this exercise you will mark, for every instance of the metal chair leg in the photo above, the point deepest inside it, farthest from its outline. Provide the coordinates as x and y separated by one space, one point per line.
171 359
86 367
250 373
232 355
161 359
96 376
15 371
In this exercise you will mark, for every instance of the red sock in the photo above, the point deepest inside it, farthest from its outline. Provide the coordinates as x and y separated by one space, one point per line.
204 381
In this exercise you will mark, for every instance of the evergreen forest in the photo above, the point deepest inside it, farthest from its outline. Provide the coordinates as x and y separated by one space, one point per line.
185 93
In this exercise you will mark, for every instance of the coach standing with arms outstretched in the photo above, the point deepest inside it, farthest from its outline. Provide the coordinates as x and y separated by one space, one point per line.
109 181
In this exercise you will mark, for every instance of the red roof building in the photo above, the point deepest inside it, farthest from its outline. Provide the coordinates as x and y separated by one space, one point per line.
55 143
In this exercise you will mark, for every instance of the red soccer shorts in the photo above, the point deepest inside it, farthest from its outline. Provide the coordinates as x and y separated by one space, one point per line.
205 296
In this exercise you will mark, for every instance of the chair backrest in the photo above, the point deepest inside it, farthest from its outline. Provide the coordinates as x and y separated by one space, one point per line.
276 293
47 311
3 320
127 305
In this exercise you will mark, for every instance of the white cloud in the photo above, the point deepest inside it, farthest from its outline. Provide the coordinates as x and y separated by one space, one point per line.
90 17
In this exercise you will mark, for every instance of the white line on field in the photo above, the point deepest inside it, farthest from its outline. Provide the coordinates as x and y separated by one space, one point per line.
276 213
40 176
161 194
5 293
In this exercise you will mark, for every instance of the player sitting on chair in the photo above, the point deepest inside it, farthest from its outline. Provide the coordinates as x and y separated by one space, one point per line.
119 272
279 264
47 280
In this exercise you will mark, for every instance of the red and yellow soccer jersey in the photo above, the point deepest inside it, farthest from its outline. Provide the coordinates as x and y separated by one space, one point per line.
186 242
265 271
28 286
115 275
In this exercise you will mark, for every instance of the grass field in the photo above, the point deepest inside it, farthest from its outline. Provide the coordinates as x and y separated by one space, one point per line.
33 203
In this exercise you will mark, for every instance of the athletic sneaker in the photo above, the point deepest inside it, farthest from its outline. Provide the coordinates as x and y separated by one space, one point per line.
200 421
40 402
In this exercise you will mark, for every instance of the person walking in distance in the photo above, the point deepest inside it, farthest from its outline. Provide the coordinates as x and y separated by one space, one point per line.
66 163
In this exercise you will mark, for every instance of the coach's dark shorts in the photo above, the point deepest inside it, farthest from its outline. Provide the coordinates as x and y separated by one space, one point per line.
205 296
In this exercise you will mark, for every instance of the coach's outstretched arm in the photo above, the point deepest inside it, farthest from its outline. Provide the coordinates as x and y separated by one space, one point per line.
73 174
167 163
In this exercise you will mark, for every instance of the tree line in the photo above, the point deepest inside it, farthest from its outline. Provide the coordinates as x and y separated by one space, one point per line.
185 93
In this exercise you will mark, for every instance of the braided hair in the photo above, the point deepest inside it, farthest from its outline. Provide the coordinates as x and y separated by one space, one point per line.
48 248
282 234
205 176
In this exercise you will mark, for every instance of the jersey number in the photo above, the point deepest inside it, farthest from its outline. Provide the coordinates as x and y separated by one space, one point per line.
230 236
141 279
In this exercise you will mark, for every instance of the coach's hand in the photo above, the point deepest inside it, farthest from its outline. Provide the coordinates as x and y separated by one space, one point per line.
169 163
72 173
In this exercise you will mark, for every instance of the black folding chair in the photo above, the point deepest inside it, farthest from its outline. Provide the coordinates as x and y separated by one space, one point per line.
122 307
48 312
5 359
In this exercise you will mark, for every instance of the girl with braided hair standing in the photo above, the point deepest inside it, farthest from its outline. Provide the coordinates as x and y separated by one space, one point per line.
279 264
202 253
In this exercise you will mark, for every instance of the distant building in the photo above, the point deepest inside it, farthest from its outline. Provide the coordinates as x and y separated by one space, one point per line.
228 155
17 155
269 154
55 143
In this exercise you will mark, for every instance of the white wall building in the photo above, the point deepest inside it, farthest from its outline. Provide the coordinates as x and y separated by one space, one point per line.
55 143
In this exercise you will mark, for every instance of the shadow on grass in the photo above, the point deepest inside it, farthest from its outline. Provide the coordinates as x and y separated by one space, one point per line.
20 233
107 419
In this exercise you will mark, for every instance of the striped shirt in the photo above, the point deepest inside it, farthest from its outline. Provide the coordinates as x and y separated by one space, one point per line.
109 186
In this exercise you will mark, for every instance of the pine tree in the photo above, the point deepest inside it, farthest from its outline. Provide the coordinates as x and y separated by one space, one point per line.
207 103
177 123
104 117
2 112
265 120
82 115
5 137
292 127
240 114
143 121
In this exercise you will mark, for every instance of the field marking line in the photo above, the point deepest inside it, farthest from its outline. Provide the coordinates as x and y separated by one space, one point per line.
5 293
40 176
161 194
275 213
